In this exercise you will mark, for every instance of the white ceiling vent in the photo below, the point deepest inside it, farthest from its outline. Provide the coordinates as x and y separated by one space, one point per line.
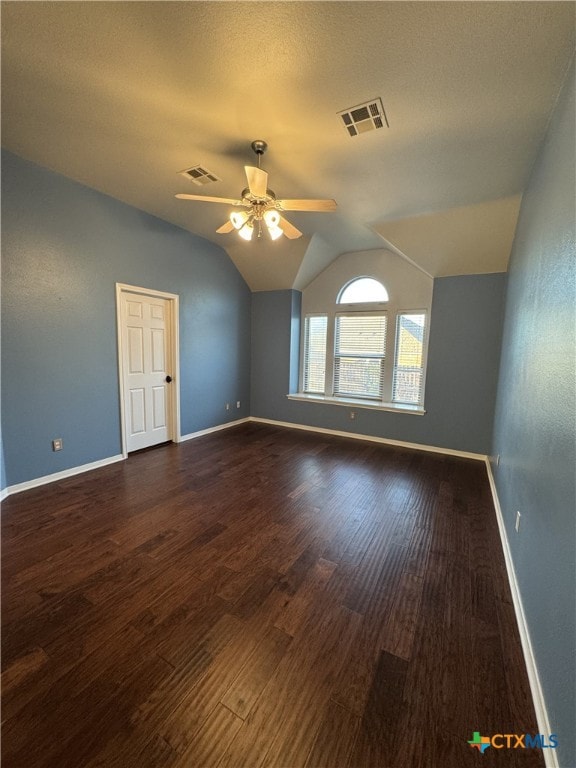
200 175
364 117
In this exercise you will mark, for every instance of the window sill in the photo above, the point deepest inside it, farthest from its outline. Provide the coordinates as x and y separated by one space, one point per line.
417 410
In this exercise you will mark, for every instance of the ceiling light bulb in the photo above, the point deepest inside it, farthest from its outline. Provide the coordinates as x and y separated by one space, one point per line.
238 219
246 231
272 218
275 232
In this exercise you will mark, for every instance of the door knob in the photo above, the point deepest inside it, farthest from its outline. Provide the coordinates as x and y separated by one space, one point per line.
168 379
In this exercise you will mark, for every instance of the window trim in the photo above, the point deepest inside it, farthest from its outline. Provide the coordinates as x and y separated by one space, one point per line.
348 402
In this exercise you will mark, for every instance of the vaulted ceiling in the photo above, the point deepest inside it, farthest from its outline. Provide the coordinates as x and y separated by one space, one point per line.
122 95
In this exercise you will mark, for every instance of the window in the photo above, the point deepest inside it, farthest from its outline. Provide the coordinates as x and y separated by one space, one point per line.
408 367
352 354
315 354
363 290
359 352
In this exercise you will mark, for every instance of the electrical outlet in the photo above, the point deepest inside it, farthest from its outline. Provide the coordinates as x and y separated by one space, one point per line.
517 524
237 403
227 406
57 444
352 415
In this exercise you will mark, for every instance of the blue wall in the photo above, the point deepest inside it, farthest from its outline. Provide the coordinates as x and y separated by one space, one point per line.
3 481
64 248
275 351
464 350
535 429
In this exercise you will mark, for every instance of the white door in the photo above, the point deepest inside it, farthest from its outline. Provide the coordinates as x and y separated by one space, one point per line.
146 370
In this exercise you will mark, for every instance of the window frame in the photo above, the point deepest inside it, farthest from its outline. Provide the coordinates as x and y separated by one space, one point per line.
356 279
305 336
393 311
400 313
336 355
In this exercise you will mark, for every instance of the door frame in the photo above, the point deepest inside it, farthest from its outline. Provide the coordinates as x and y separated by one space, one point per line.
173 415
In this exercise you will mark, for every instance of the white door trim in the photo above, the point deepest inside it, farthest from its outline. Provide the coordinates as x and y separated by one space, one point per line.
173 352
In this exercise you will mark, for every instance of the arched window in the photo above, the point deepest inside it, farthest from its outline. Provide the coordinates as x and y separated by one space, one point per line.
367 347
363 290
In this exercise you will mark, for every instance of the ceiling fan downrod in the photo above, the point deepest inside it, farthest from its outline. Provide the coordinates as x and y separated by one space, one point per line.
259 146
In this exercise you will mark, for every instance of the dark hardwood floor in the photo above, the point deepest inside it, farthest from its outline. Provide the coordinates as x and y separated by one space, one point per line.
260 597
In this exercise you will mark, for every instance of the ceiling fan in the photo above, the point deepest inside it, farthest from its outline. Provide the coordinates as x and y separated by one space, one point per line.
260 205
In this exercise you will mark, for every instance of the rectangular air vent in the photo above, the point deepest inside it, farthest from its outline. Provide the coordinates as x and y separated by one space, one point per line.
200 175
364 117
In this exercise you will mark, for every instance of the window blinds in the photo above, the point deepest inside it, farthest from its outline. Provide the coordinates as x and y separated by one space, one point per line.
360 349
315 354
408 368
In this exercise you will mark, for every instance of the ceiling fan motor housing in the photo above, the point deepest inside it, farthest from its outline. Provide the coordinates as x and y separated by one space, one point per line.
252 199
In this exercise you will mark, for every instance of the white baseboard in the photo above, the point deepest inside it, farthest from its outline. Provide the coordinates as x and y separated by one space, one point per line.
60 475
210 430
12 489
371 438
550 757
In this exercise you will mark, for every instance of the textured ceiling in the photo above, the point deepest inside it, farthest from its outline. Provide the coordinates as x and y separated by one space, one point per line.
122 95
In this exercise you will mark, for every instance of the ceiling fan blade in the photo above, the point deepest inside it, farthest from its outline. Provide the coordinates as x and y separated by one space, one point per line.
289 229
207 199
225 228
307 205
257 180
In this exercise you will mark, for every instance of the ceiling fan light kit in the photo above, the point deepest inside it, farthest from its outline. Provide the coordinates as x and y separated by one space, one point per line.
246 231
261 205
238 219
